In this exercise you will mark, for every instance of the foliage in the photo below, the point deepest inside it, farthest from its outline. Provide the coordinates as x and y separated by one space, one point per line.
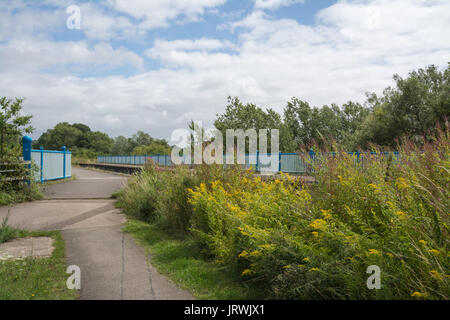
78 138
309 125
410 109
140 143
6 232
248 116
316 241
13 124
148 197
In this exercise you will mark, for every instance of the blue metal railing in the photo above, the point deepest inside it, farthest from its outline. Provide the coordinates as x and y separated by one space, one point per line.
294 163
51 164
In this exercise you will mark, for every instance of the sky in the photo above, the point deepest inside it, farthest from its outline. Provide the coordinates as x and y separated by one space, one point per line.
154 65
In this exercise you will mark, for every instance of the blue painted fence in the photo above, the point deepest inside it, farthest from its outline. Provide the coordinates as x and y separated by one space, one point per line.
294 163
52 165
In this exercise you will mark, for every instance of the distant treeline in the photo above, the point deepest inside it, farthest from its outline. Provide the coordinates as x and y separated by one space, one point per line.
411 108
83 142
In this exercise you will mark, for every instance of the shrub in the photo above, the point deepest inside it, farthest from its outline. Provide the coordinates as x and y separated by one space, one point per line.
316 241
155 195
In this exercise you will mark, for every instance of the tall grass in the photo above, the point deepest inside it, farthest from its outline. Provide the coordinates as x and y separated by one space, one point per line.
6 232
316 241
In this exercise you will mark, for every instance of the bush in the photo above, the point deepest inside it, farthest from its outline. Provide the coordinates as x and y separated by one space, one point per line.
316 241
155 195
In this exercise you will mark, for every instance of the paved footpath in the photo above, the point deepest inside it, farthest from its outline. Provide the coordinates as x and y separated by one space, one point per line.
112 265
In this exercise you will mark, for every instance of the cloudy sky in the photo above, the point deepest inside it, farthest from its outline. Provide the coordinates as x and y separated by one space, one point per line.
153 65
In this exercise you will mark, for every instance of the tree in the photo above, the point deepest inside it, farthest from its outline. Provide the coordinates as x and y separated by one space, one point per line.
140 143
411 108
248 116
308 125
13 124
78 138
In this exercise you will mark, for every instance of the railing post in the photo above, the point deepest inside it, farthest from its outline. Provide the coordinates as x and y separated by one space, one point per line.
64 161
42 164
26 152
257 160
158 160
279 161
312 154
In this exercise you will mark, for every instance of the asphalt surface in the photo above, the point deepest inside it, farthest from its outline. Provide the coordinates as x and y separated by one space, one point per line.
113 266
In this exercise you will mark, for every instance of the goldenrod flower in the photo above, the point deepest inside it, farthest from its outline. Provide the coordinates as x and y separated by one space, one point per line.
401 215
256 253
437 275
246 272
374 252
402 183
318 224
434 251
419 294
315 234
243 254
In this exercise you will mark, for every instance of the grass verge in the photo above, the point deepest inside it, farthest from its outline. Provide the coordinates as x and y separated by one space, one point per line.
9 196
38 278
181 260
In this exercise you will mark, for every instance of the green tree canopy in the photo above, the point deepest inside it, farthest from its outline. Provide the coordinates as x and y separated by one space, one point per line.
13 125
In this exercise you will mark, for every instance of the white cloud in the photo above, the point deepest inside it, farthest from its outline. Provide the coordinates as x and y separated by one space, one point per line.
275 4
33 54
339 58
158 13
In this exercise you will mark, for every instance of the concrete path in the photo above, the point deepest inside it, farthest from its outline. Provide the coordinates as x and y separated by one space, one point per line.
112 265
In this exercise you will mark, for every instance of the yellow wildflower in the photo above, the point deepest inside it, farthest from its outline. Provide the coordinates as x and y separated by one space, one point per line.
306 259
314 269
287 267
318 224
401 215
437 275
434 251
374 252
418 294
246 272
423 242
374 186
243 254
326 214
255 253
315 234
402 183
